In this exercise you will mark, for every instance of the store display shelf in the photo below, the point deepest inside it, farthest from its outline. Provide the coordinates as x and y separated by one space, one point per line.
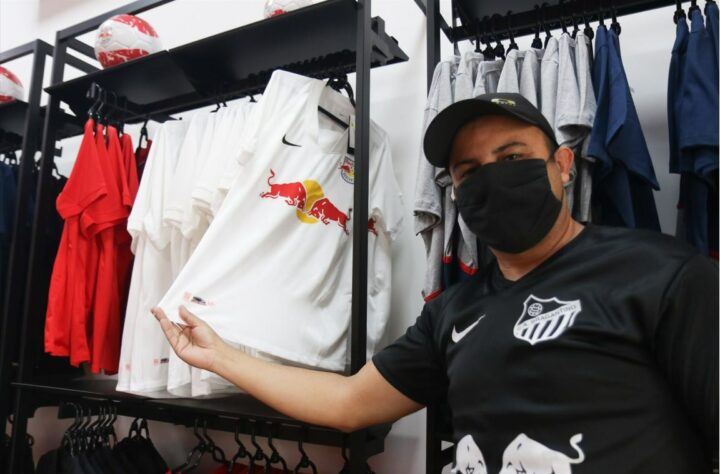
318 40
310 41
148 83
12 124
237 412
483 17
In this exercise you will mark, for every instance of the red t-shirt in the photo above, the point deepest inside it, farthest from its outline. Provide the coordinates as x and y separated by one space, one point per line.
74 267
110 215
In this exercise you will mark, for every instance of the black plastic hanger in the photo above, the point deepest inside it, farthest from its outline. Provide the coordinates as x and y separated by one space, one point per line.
679 12
588 29
537 42
615 25
275 457
576 28
513 44
305 461
259 453
562 16
489 52
545 26
242 451
499 48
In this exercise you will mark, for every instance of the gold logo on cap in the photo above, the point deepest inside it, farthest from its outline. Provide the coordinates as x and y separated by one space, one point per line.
503 102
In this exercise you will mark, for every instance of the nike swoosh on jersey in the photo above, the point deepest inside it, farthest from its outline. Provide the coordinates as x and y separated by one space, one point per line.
457 336
284 140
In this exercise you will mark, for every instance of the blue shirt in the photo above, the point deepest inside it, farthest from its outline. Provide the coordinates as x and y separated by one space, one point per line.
625 177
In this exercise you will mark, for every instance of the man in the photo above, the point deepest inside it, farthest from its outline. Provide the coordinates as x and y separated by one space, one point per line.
583 349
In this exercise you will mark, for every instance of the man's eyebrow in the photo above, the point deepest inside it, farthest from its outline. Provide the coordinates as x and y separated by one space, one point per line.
464 161
504 147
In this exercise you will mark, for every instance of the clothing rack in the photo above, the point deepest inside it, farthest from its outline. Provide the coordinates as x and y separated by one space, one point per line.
473 20
329 38
20 125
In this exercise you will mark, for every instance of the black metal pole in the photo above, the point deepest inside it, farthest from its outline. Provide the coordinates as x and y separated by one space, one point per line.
38 279
432 444
17 264
358 347
433 38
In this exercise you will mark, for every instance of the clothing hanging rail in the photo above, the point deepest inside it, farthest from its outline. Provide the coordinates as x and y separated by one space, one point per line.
475 19
20 123
339 36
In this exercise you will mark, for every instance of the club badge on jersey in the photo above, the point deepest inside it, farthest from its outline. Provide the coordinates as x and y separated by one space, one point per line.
545 319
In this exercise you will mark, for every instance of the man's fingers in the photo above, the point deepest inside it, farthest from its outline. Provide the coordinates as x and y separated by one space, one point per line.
158 313
189 318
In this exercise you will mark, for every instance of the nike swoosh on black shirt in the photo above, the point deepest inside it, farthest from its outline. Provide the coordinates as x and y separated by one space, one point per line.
284 140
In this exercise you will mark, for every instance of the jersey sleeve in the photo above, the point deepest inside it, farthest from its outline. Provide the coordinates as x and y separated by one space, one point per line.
412 364
386 207
686 344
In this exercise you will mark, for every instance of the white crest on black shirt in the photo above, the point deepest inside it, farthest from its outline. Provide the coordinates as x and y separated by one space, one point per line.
545 319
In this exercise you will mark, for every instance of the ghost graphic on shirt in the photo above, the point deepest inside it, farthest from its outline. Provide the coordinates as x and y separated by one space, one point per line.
526 456
468 458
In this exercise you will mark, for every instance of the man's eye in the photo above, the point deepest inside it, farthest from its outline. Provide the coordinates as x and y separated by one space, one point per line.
511 157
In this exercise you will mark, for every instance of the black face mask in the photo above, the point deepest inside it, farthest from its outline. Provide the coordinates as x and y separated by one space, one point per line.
509 205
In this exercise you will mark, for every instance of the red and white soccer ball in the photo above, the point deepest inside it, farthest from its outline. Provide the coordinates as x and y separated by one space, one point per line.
278 7
10 87
123 38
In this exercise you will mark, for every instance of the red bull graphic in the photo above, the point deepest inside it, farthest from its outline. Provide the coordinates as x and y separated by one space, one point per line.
308 197
325 211
294 193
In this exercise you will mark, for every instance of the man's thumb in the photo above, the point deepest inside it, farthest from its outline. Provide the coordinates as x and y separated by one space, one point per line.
189 318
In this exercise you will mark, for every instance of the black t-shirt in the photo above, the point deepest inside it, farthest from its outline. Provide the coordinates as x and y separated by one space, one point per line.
602 360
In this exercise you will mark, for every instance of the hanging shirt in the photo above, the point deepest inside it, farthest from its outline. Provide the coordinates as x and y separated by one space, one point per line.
549 81
105 340
601 360
8 196
488 76
509 80
144 351
430 203
624 175
530 76
466 75
295 199
588 107
73 275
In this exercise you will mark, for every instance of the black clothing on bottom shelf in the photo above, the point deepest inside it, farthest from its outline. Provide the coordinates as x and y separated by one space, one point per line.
88 451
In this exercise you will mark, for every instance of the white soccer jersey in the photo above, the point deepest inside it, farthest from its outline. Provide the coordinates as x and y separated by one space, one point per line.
273 271
145 351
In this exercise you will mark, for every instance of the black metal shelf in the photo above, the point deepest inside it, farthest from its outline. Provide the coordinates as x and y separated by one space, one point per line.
12 124
221 413
315 41
524 17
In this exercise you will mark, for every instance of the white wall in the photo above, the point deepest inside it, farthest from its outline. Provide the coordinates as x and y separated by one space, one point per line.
397 104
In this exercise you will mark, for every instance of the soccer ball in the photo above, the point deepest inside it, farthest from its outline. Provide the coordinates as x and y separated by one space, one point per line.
123 38
278 7
10 87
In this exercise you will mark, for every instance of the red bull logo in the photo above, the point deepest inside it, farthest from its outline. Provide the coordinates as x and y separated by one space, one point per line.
347 169
310 203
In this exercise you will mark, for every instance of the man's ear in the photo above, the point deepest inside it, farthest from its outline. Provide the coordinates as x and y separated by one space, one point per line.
564 158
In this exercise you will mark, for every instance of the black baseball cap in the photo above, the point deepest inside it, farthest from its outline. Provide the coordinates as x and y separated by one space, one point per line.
442 130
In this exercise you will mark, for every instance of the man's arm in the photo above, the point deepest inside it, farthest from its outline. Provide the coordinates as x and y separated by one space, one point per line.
320 398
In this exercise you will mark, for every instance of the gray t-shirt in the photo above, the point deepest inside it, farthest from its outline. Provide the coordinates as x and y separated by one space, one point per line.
429 205
509 80
488 76
549 80
530 76
466 73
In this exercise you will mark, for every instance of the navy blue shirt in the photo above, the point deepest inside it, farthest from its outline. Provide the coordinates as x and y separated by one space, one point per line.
625 178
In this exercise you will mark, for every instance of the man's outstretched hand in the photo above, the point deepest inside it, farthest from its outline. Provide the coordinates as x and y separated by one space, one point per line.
194 341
